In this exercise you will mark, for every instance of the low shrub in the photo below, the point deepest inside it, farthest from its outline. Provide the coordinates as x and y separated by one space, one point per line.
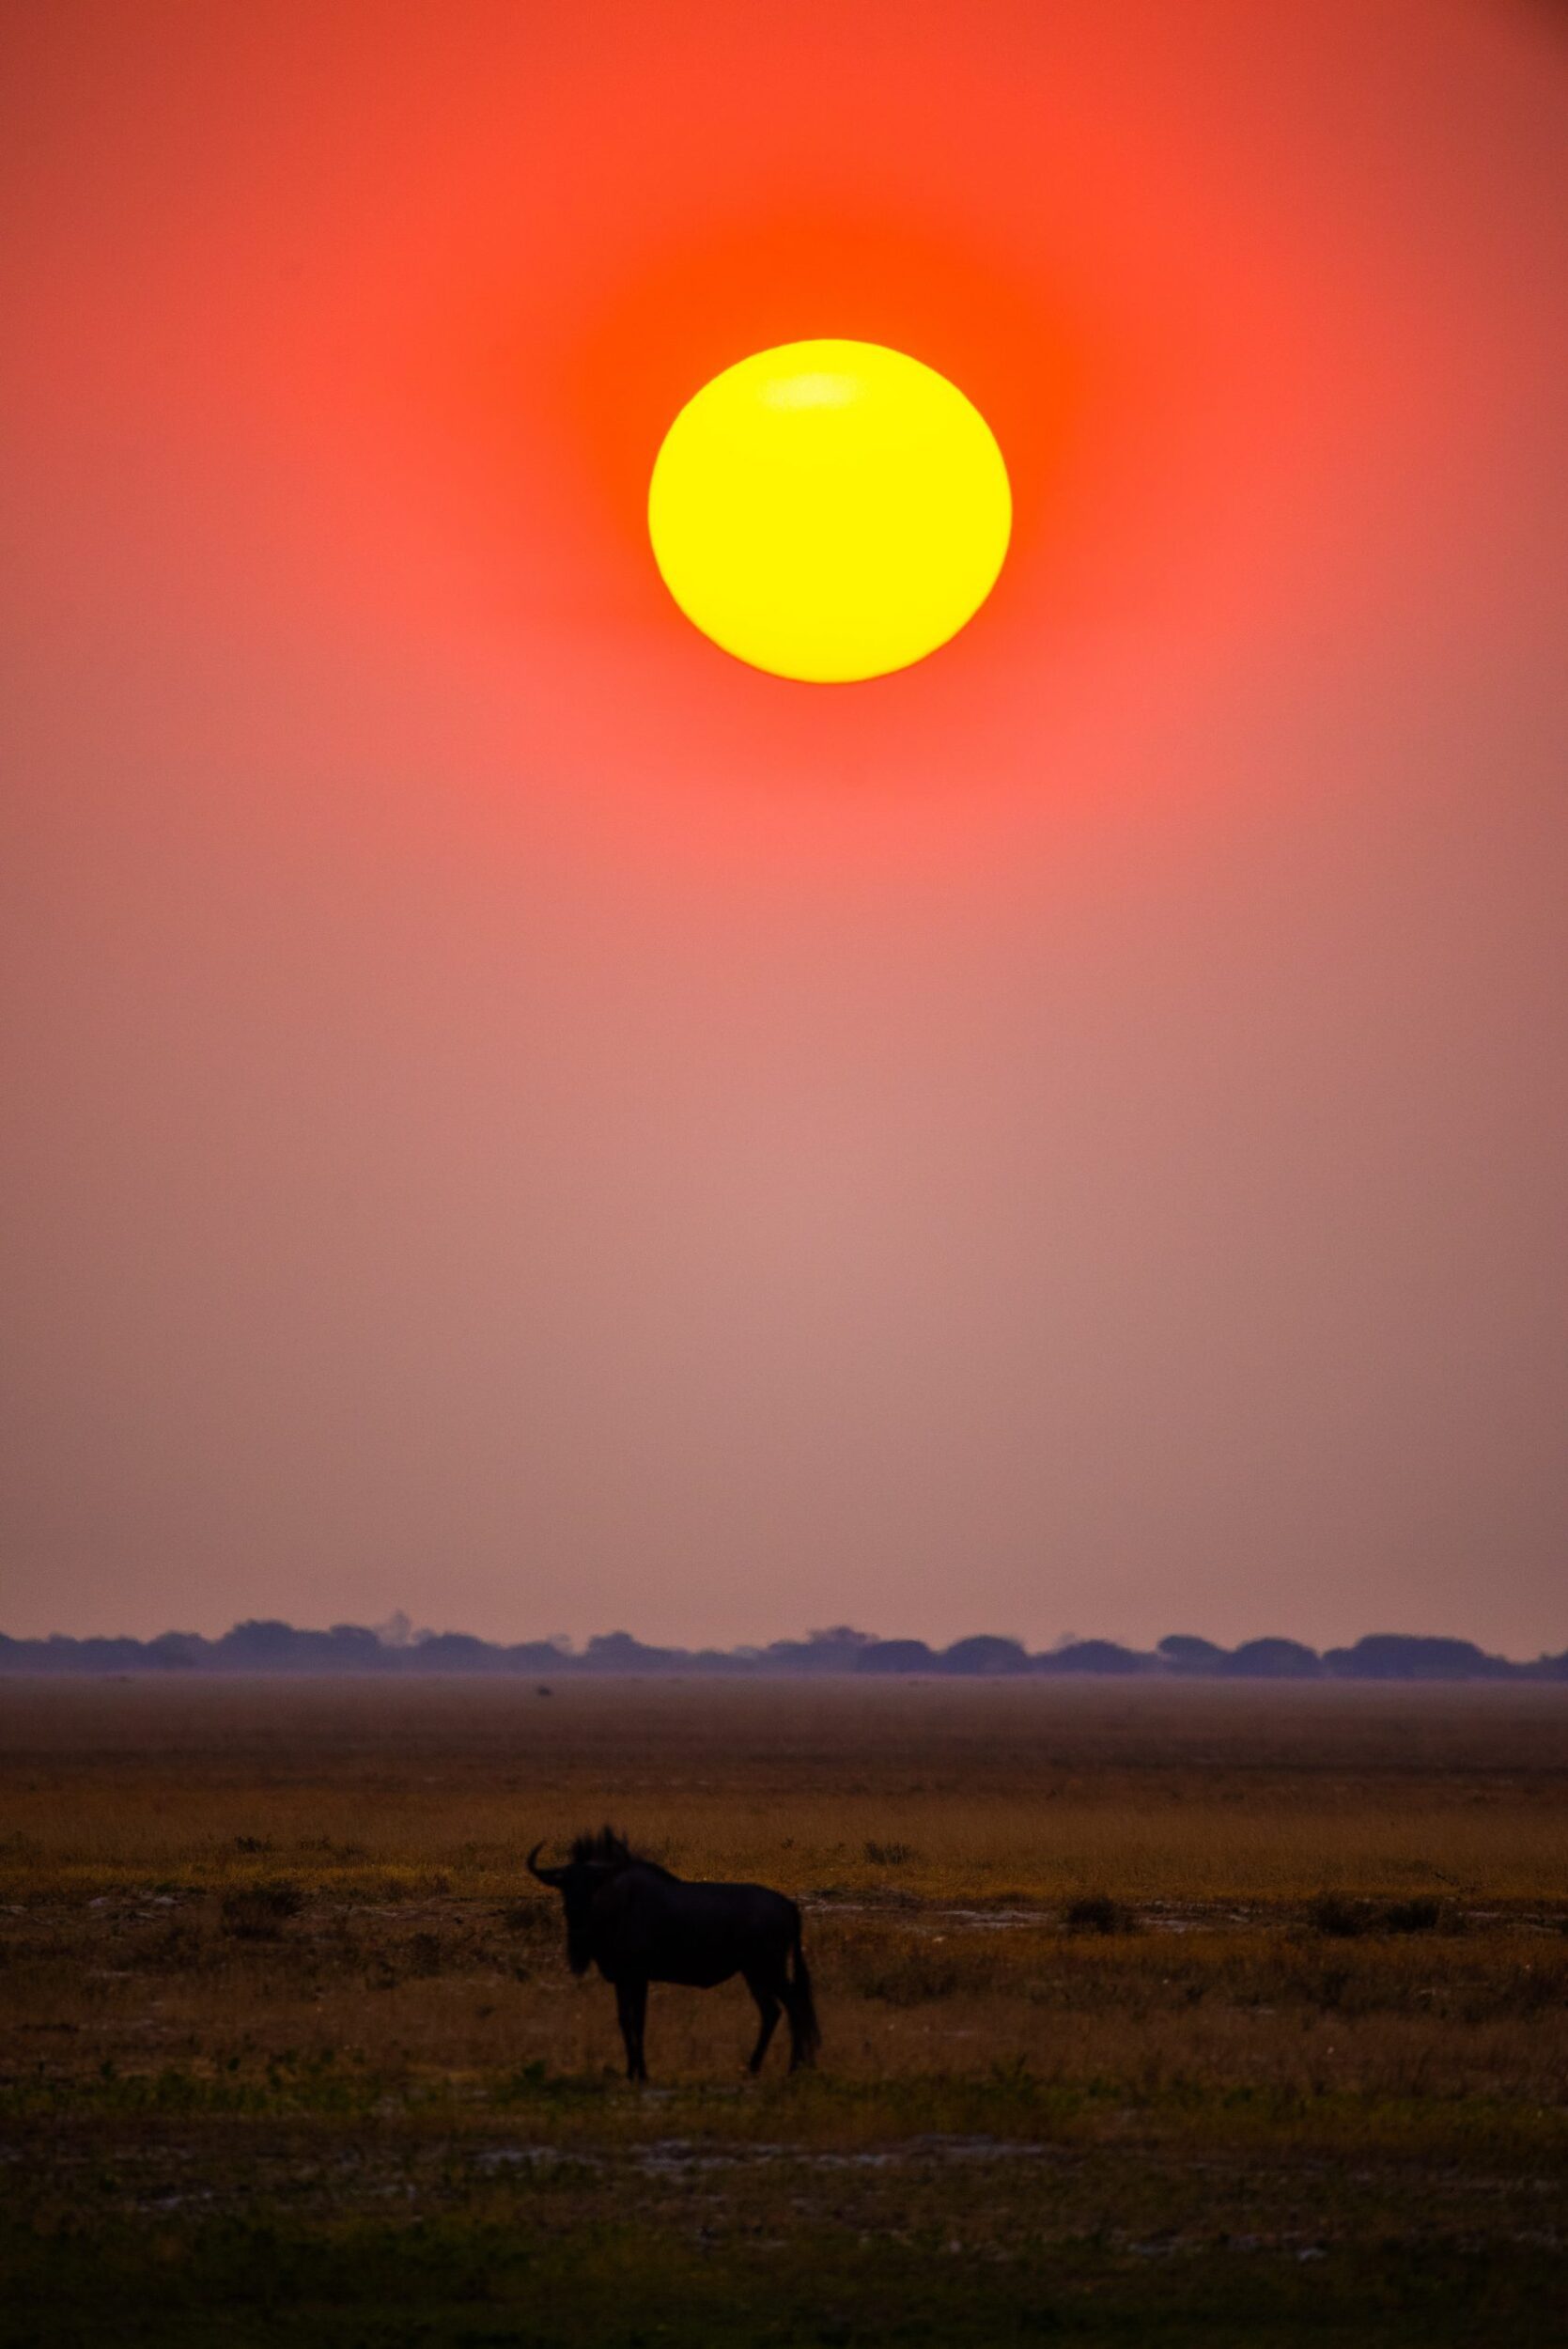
255 1912
1331 1913
1422 1915
1097 1912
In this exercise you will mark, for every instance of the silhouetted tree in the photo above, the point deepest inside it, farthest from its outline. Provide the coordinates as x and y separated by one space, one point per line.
830 1651
454 1651
618 1652
1273 1659
261 1644
1403 1656
1185 1654
1093 1655
894 1656
986 1654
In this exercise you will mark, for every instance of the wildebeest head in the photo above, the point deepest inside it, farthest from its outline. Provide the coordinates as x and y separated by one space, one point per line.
594 1859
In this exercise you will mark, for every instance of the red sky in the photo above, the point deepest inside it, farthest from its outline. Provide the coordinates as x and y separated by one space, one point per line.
515 1115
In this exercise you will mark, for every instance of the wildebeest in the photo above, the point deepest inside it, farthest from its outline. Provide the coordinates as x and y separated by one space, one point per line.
638 1923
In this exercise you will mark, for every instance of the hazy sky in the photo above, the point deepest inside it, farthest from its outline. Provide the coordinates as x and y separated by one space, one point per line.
512 1115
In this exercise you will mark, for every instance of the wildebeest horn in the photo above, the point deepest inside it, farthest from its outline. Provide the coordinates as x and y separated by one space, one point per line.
546 1875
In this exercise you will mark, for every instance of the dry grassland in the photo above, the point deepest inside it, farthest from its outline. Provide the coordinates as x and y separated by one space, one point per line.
1220 1983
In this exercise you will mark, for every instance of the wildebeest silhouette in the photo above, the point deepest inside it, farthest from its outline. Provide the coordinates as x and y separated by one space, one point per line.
638 1923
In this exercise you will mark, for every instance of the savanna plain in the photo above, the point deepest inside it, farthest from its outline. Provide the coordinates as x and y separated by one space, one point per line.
1174 2014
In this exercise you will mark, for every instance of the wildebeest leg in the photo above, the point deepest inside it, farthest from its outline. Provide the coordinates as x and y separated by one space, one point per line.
797 2055
804 2036
769 1996
802 2045
632 2007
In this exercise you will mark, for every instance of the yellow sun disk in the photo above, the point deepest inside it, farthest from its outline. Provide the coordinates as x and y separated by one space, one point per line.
829 510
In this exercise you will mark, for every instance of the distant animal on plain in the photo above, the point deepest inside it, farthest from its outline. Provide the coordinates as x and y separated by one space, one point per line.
639 1924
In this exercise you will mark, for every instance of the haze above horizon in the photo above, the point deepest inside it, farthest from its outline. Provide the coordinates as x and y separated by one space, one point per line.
509 1107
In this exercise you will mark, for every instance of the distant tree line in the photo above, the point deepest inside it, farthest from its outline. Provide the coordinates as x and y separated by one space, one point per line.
395 1647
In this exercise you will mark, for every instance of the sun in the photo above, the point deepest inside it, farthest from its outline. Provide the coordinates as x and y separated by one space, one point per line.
829 510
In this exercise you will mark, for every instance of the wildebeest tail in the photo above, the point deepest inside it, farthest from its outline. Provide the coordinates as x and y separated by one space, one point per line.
807 2030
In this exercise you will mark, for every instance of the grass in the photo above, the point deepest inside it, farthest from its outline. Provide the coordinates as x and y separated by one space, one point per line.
510 2277
1149 2014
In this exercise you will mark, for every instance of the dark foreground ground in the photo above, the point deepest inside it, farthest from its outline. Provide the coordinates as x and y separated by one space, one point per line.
1163 2015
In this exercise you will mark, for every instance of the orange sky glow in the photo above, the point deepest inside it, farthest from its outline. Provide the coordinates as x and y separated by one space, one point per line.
516 1115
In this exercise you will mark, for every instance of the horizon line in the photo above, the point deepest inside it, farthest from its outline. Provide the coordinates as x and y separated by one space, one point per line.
268 1645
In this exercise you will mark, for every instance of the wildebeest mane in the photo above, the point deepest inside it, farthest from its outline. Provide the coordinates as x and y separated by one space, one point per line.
604 1849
